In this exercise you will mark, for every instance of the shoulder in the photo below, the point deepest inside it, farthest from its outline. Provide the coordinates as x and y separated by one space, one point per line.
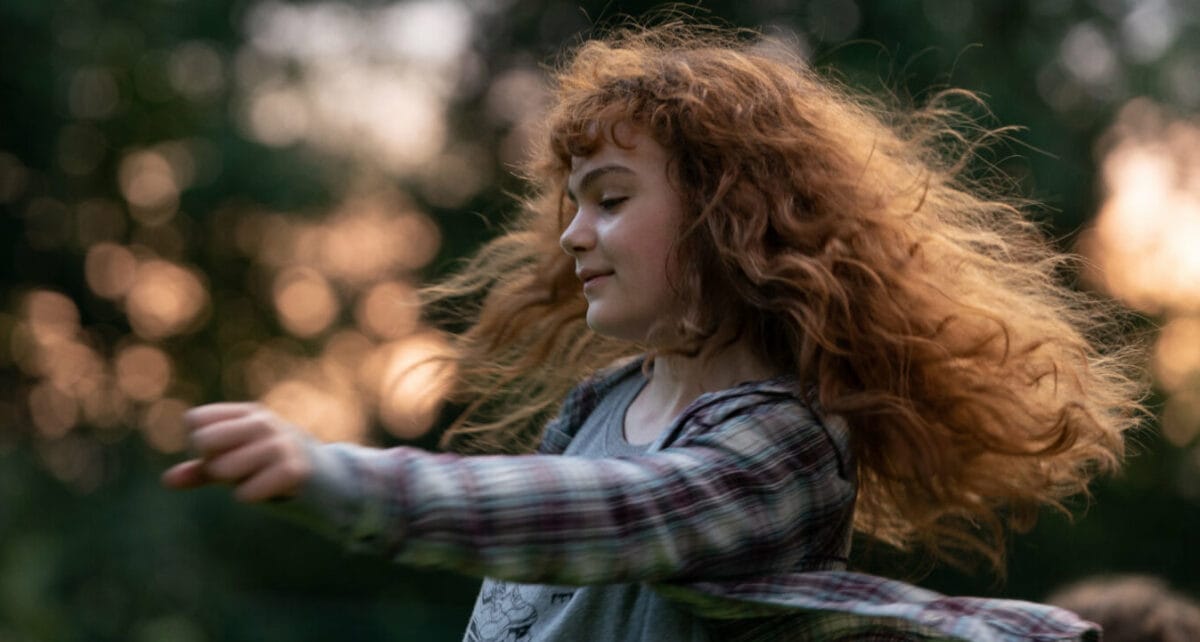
765 415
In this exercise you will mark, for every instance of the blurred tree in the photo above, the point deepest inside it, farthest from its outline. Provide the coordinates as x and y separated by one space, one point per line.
207 200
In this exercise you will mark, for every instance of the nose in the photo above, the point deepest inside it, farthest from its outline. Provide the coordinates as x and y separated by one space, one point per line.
580 235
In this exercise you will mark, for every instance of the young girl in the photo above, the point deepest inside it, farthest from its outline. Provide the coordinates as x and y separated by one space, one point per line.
785 315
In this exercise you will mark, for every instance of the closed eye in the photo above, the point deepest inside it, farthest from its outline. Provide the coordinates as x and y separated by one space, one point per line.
612 203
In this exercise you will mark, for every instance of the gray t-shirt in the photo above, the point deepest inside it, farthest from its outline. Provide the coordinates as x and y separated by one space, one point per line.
512 612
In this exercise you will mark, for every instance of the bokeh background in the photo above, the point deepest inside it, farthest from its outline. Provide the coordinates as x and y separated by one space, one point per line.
232 199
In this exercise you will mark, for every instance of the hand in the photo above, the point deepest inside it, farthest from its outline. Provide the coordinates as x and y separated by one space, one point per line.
245 445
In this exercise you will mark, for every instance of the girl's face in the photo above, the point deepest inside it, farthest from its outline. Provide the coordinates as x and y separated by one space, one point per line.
627 217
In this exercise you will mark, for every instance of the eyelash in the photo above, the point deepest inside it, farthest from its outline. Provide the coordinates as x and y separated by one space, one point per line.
612 203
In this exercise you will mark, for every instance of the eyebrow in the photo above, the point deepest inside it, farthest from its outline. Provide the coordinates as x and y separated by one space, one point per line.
595 174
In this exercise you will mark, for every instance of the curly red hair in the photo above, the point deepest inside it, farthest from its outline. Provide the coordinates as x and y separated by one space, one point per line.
846 242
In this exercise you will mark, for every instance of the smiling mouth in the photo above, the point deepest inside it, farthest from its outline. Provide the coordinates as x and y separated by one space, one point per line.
593 279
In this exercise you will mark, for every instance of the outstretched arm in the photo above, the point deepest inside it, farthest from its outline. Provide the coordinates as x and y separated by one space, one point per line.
762 492
247 446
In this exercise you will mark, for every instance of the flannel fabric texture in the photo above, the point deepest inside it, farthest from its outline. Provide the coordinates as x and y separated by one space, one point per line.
741 511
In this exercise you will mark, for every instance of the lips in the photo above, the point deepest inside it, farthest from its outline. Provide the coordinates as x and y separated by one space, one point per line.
591 275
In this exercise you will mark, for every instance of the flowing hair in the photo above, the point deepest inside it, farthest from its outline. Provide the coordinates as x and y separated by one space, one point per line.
850 245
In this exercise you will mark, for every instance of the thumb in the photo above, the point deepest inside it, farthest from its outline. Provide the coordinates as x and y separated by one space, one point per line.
188 474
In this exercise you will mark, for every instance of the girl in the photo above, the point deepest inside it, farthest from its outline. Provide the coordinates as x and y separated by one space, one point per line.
787 316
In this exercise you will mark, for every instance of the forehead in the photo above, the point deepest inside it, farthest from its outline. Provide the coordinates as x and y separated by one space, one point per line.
632 149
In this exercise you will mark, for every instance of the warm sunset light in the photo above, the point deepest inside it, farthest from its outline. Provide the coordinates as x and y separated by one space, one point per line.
346 351
69 365
306 302
389 310
1177 353
143 372
412 383
1144 245
1146 234
373 236
328 409
150 186
52 317
165 299
110 270
252 201
358 242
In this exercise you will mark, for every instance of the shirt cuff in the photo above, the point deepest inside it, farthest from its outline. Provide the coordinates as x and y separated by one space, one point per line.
342 498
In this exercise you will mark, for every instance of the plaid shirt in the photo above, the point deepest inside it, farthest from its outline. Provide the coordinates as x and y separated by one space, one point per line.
741 511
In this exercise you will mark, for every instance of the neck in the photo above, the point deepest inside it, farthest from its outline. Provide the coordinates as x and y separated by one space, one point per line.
677 380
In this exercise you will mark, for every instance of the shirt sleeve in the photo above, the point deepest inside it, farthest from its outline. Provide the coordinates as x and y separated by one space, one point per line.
762 491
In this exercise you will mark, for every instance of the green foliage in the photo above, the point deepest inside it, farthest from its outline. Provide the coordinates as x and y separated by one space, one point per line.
92 548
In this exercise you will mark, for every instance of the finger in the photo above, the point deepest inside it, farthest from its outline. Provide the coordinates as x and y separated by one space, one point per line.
188 474
282 480
242 462
216 438
201 416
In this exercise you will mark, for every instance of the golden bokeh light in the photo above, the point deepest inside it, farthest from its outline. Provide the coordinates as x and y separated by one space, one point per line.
1146 233
305 301
372 236
412 378
1177 353
69 365
358 244
327 409
345 352
46 346
455 176
52 316
143 371
150 185
1181 417
417 240
109 270
162 425
181 156
1144 241
389 310
277 116
517 95
165 299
